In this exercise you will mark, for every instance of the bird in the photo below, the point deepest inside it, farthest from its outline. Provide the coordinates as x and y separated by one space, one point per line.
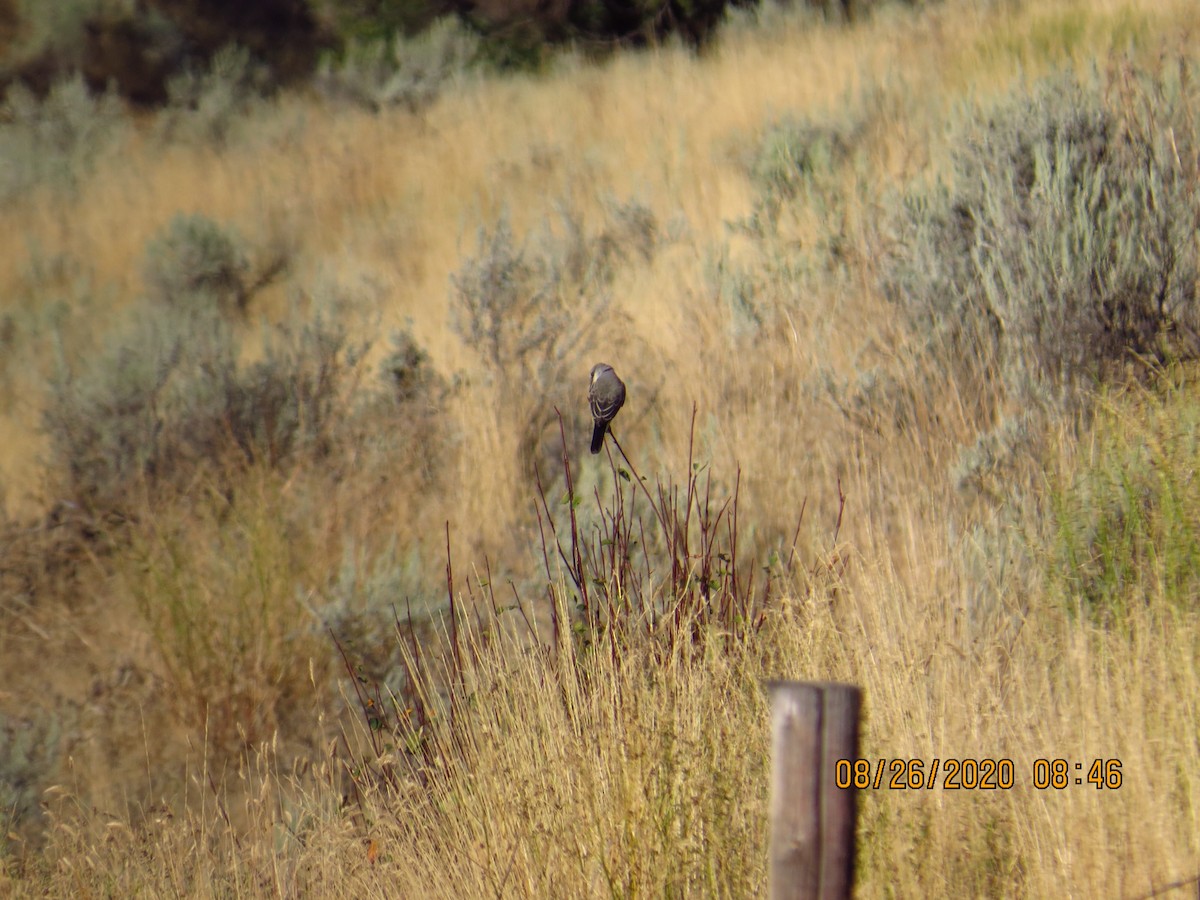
606 395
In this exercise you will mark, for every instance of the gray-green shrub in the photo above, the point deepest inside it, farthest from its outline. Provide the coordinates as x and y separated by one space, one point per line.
169 397
206 104
400 71
196 263
527 309
407 371
1063 244
55 141
795 157
29 748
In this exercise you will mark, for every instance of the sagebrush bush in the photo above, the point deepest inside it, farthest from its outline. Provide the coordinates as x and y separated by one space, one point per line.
206 104
55 30
795 157
377 601
194 262
407 371
400 71
526 310
29 748
1062 246
55 141
169 396
396 429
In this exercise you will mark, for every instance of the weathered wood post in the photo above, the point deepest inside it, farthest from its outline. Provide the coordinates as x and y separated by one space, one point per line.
813 725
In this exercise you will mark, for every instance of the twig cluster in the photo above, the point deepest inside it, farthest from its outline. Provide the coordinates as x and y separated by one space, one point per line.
659 564
659 560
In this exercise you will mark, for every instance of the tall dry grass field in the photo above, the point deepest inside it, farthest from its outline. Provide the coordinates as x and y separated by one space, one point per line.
229 663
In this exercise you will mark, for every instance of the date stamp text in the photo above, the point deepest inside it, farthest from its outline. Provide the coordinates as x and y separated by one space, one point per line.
970 774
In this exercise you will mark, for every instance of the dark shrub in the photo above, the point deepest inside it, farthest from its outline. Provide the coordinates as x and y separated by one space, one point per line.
170 396
196 263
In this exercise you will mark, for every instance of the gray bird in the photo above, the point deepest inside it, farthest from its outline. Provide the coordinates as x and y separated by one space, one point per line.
606 395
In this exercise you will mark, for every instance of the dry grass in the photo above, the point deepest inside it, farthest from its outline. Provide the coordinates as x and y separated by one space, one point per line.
170 663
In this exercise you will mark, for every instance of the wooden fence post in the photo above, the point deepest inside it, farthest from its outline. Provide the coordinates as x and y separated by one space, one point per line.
813 725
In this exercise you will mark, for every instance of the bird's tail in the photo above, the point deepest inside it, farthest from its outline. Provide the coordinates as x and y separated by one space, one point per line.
598 436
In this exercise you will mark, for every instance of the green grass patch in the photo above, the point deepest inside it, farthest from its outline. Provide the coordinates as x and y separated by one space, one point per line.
1061 34
1127 521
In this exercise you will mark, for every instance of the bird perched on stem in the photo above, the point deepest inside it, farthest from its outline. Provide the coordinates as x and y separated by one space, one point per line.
606 394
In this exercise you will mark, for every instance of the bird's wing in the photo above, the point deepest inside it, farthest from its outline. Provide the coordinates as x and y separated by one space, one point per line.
604 408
